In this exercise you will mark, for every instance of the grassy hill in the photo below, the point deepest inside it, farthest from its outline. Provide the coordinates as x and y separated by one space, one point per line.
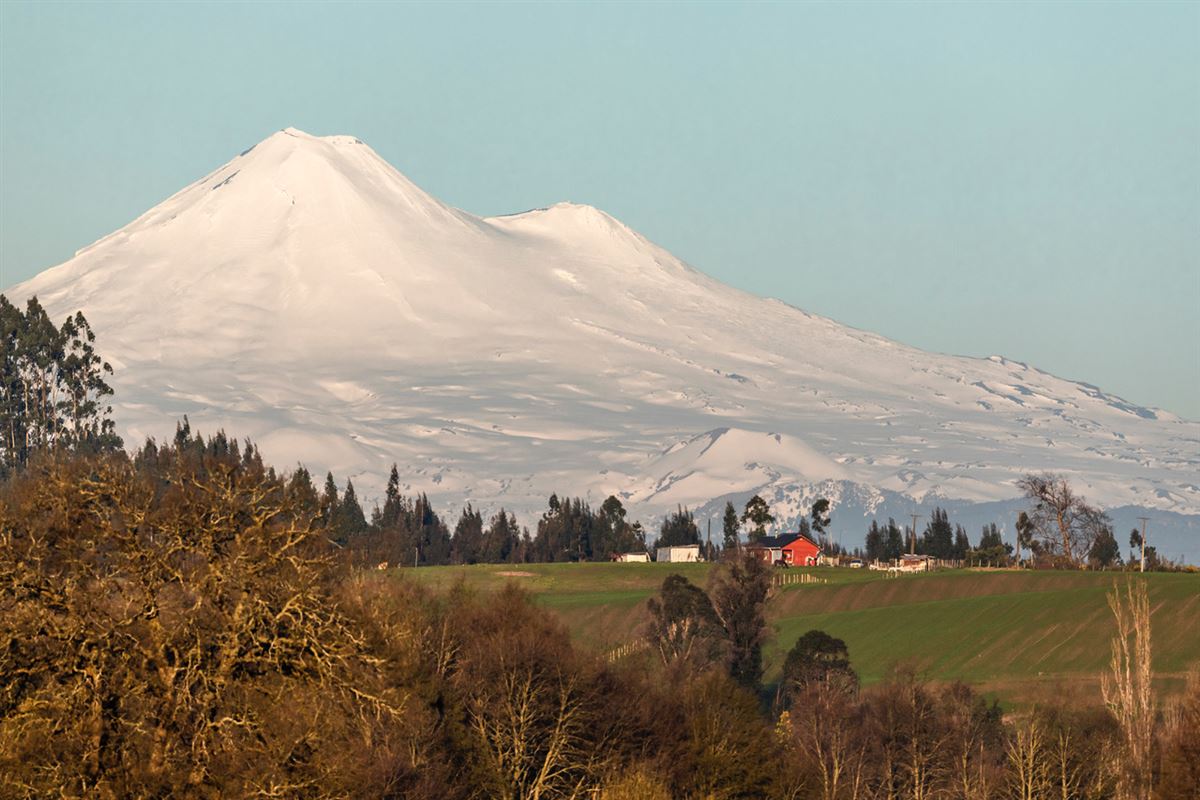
1024 636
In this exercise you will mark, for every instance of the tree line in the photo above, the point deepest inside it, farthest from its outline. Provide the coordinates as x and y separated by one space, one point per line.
1060 529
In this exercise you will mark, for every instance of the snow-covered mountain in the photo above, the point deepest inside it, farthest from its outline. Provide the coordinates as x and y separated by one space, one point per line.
308 295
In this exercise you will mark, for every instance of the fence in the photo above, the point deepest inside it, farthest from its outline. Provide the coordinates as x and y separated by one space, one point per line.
790 578
627 649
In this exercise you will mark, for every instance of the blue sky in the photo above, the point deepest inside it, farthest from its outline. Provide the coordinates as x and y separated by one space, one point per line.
1020 179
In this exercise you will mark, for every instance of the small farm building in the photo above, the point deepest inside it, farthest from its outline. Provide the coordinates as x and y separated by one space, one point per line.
788 549
679 553
641 558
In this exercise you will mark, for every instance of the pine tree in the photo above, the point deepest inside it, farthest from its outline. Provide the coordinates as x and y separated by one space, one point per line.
895 541
938 539
349 521
730 527
962 542
466 545
328 507
875 544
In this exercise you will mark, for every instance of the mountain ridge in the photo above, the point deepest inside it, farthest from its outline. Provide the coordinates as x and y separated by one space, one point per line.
309 295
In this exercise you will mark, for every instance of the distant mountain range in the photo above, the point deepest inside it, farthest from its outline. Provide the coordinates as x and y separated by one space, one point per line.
308 295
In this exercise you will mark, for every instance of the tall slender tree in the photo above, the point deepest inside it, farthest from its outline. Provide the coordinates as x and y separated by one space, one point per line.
730 527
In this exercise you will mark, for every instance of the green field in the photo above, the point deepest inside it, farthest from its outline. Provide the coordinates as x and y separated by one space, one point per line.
1023 636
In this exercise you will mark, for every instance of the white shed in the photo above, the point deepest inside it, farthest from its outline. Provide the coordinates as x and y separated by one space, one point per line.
678 553
628 557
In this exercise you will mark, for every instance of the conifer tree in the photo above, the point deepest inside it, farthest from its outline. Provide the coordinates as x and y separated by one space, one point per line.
962 542
349 520
876 546
895 541
466 545
329 497
730 526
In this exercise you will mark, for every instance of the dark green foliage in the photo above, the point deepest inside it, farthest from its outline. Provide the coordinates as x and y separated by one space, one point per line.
1025 540
684 629
876 544
678 528
938 539
466 545
613 532
820 516
53 392
993 550
962 543
565 532
894 541
348 522
730 527
1105 551
739 595
816 657
758 516
329 502
503 541
404 532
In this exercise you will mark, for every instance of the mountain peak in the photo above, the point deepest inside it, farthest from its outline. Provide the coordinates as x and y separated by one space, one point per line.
310 296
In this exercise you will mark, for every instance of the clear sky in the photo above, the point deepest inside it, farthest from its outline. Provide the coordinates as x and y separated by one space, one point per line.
1004 178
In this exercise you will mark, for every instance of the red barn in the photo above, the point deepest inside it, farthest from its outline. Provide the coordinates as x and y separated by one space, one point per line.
788 549
801 552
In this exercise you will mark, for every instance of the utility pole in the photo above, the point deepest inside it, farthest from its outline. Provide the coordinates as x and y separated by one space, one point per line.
708 539
915 517
1143 519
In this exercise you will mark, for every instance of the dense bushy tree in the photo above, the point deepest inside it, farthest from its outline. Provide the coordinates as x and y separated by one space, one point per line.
679 528
614 533
876 544
565 532
466 543
962 542
938 539
816 657
684 630
504 541
820 516
992 549
53 391
739 595
758 515
1105 551
894 541
349 521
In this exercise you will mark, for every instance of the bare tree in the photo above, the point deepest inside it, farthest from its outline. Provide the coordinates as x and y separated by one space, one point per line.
1060 520
826 725
1127 689
1027 762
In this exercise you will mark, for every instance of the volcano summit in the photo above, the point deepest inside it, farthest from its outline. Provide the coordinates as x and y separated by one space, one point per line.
309 296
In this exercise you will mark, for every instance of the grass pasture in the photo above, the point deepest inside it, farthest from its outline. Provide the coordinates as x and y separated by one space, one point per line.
1023 636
